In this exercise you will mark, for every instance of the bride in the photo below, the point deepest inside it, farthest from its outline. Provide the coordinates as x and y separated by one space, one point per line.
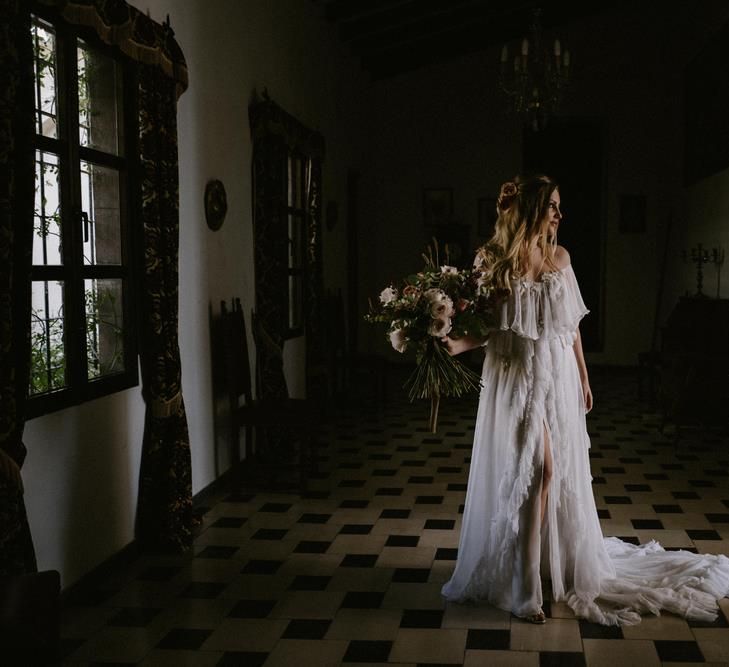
530 514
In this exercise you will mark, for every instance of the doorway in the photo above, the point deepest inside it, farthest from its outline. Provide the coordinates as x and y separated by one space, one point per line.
572 151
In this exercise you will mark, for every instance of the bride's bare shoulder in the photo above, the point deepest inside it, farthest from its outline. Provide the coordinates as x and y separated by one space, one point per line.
561 257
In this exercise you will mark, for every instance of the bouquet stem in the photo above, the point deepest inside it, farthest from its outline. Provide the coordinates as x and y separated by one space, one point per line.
438 374
434 405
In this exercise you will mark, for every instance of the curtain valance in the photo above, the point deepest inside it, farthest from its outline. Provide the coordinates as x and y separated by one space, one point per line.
268 118
134 33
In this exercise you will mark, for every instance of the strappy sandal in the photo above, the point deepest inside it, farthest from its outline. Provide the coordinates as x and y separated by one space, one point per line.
538 619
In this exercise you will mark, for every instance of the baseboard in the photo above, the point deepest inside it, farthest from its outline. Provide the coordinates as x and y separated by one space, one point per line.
90 582
214 490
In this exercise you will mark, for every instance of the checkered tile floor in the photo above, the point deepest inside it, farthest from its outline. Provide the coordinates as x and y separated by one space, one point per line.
351 573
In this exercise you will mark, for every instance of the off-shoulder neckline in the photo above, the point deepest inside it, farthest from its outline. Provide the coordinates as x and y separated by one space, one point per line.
540 278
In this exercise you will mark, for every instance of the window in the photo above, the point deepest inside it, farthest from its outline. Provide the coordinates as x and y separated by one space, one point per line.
82 329
299 182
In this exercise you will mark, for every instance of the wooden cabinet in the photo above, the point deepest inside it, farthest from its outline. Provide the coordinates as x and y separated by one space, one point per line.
694 379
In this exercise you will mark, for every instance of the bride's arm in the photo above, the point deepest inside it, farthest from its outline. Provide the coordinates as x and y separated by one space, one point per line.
582 368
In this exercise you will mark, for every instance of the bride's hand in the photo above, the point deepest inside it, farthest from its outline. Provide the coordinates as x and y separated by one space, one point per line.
587 394
456 346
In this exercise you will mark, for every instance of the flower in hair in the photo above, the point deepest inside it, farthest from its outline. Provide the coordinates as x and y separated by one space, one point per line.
507 194
508 189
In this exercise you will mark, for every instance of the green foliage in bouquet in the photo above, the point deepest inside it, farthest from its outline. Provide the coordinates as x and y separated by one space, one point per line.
438 301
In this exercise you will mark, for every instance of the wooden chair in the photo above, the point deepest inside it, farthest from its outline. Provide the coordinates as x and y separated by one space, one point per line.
353 377
278 429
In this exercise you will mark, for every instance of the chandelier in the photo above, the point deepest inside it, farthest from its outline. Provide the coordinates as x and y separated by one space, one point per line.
536 77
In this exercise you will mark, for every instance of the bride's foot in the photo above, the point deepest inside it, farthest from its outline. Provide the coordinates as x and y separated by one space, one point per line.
538 619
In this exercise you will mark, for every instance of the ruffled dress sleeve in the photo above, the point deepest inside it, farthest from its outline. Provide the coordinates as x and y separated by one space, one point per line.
574 308
551 307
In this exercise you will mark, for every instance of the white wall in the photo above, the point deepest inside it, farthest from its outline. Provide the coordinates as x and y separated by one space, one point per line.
82 470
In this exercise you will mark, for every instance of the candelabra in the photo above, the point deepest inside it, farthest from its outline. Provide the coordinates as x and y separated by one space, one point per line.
717 257
700 256
537 76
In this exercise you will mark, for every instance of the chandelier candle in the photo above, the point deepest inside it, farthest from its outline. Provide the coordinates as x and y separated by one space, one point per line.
540 75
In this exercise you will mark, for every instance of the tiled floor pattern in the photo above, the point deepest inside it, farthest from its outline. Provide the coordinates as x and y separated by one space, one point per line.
351 573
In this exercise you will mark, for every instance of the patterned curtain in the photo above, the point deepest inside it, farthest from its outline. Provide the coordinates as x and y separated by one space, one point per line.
16 228
315 316
276 134
164 512
270 156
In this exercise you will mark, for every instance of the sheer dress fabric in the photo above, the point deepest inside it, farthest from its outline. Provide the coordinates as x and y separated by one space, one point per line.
532 391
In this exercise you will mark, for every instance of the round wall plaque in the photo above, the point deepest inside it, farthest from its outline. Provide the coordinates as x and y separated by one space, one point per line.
216 204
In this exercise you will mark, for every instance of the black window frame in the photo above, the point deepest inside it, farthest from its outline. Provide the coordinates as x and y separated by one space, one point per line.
297 272
73 272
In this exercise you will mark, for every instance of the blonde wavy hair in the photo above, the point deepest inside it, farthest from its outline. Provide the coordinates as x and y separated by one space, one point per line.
522 224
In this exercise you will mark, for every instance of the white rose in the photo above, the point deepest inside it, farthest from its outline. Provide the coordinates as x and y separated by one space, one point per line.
398 340
440 327
449 270
387 295
441 305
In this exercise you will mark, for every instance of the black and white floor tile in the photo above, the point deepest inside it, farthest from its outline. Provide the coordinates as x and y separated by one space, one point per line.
351 572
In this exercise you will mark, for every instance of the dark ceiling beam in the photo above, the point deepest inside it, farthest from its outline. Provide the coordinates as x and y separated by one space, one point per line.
468 38
429 51
400 15
395 36
513 23
347 10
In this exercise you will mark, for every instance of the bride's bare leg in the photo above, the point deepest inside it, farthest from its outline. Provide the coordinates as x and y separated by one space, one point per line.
546 471
526 585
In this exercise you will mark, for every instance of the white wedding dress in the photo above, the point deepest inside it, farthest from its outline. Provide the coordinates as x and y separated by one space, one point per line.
531 383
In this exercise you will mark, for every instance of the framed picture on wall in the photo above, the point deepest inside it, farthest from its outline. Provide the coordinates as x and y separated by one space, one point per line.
486 217
437 206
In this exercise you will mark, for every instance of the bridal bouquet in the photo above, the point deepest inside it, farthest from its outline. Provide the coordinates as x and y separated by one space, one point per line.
439 300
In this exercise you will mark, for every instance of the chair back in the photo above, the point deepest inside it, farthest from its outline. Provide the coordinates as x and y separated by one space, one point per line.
270 378
235 357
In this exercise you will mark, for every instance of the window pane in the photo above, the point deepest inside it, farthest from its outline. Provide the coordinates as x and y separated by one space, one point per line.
47 213
47 352
290 180
299 184
104 327
296 242
44 68
98 82
307 184
295 301
101 225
